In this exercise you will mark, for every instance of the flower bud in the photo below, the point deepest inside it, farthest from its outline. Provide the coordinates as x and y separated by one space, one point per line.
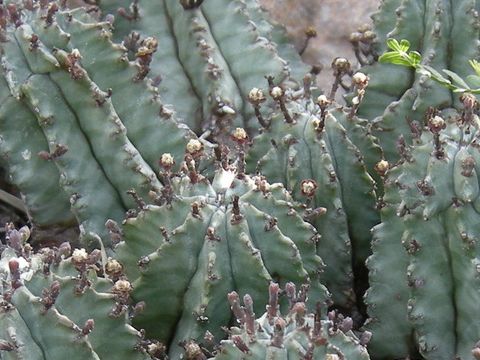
256 96
276 92
436 124
240 135
122 287
382 167
167 161
194 146
360 80
79 256
323 101
308 187
341 65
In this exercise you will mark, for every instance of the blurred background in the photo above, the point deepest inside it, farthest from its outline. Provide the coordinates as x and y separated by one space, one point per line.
334 21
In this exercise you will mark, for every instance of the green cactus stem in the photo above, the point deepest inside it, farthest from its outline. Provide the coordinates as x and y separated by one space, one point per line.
211 49
52 303
206 240
431 207
312 147
62 68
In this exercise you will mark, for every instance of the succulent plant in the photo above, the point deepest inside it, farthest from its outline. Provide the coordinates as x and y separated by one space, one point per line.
239 233
76 96
398 98
217 49
52 303
313 148
37 179
298 335
424 268
89 144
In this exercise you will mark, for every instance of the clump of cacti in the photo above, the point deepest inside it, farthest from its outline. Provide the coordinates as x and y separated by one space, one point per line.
210 46
206 240
313 147
425 262
299 334
297 184
53 303
75 96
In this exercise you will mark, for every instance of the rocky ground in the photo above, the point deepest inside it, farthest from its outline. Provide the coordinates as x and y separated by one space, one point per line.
334 21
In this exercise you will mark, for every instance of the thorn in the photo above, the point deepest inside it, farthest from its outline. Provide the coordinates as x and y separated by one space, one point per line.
88 327
164 233
278 332
270 223
236 216
141 204
33 42
114 231
14 13
7 346
240 344
272 307
59 151
341 67
14 267
190 4
52 9
236 308
249 315
196 210
310 33
133 14
49 296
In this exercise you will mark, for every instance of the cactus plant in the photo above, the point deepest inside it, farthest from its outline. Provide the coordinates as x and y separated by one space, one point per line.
63 71
217 49
398 98
53 303
312 146
205 240
298 335
97 146
425 256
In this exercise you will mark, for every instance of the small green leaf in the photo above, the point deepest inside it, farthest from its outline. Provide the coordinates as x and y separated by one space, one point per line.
436 75
456 79
404 45
415 57
393 58
393 44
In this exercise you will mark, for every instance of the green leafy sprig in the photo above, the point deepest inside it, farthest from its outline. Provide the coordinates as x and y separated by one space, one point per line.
399 54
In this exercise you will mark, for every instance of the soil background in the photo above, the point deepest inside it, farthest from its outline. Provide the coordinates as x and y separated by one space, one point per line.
334 21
